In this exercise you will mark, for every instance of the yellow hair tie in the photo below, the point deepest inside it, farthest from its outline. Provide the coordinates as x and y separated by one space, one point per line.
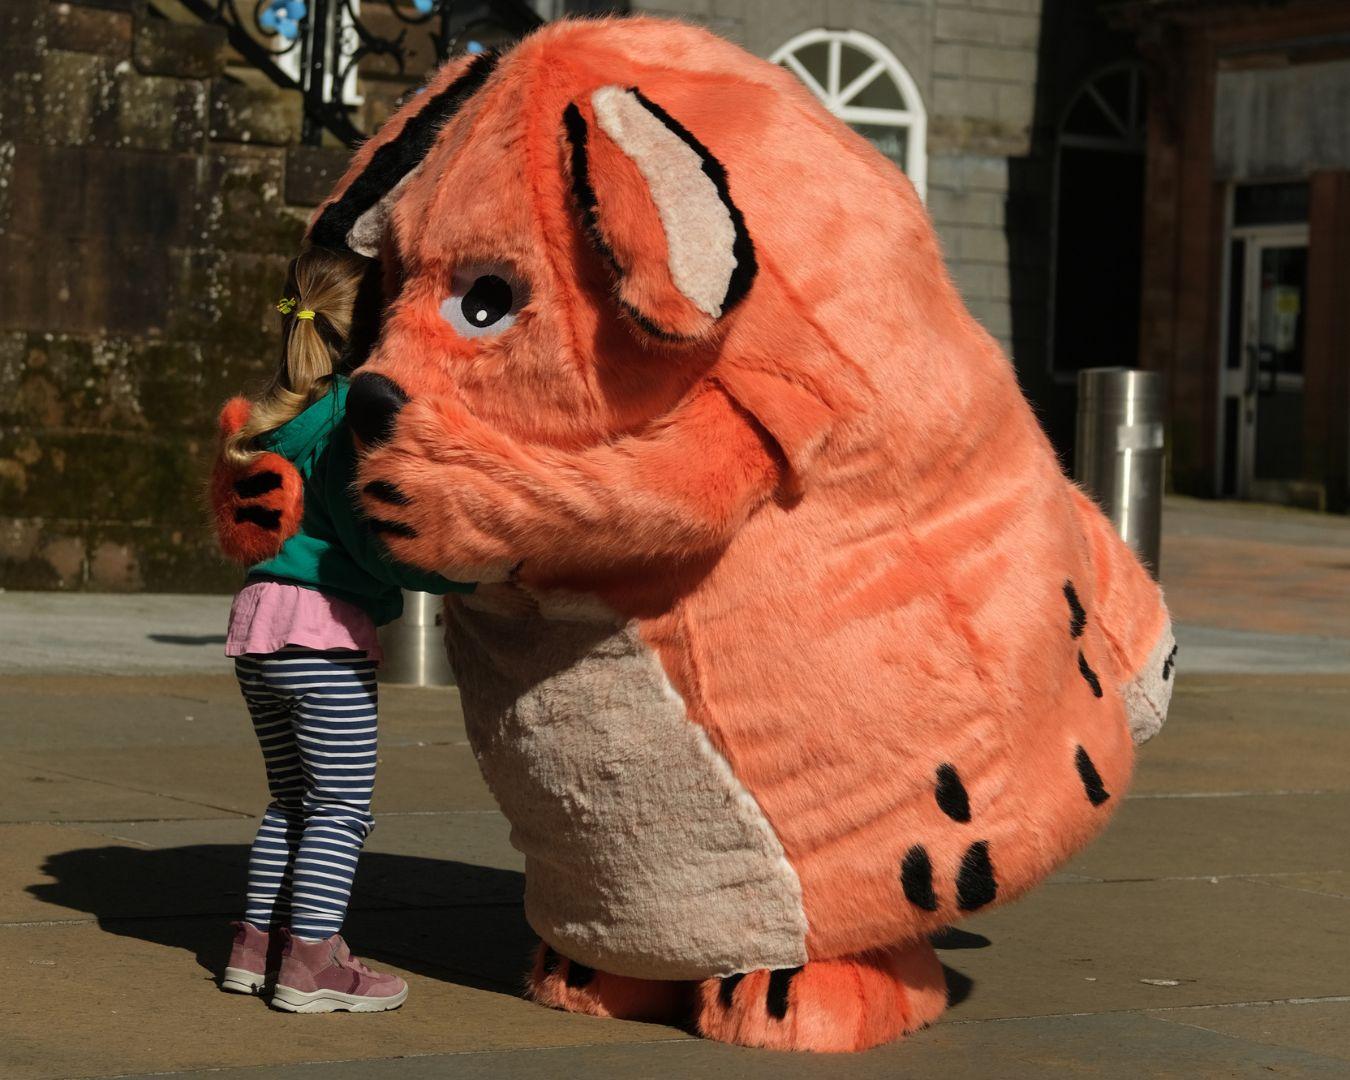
304 314
287 304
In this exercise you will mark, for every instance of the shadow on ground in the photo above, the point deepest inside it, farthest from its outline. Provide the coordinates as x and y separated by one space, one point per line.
439 918
436 917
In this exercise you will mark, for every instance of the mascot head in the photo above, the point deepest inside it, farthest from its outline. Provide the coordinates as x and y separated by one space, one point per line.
575 233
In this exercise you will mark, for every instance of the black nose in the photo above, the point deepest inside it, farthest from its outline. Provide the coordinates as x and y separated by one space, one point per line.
372 403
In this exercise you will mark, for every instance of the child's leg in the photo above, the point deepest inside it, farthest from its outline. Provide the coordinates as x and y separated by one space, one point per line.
335 726
274 847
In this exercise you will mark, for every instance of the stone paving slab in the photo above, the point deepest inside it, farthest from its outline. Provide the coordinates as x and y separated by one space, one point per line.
1113 1046
1250 733
1221 837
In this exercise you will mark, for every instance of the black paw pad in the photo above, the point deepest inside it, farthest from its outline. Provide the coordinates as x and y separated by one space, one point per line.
386 493
256 515
916 877
250 487
551 961
975 884
1090 676
726 992
951 794
578 975
776 1000
1092 779
1077 616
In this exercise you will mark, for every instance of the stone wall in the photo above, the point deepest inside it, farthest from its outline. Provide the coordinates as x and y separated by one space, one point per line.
148 204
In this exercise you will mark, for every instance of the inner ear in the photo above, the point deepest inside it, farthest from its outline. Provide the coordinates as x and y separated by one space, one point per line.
656 205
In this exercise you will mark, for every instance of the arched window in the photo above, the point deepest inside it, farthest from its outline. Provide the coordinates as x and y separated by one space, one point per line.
861 82
1098 205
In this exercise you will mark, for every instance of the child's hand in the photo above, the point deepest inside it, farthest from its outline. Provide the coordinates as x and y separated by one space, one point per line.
501 598
256 508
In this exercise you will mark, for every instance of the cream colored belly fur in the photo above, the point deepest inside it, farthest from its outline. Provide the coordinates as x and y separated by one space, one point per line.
644 856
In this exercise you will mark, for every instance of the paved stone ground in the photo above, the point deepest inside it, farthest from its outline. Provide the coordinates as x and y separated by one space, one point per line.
1206 935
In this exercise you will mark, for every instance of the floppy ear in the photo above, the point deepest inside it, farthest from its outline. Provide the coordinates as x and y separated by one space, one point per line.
657 205
356 215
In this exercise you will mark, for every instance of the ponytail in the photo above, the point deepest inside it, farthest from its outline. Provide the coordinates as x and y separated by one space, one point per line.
321 288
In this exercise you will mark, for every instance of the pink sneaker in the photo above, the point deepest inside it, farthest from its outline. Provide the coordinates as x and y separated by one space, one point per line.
324 976
254 959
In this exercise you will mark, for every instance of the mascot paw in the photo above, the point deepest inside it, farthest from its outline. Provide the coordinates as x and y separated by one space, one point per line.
564 984
256 508
832 1006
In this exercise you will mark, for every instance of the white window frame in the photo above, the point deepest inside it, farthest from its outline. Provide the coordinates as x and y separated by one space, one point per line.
835 97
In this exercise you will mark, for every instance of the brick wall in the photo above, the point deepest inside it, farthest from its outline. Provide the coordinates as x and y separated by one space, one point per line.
148 205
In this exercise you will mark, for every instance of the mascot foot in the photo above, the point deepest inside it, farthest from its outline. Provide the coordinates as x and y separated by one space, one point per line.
849 1003
561 983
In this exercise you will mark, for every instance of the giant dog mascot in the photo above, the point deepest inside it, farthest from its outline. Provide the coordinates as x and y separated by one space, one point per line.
827 652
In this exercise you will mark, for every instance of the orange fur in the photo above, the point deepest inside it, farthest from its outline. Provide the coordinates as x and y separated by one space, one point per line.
829 513
243 538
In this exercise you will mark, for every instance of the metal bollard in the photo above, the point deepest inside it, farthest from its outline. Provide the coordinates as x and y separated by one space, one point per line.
414 644
1119 454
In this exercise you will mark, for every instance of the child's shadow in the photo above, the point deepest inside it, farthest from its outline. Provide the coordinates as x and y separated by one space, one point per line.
447 920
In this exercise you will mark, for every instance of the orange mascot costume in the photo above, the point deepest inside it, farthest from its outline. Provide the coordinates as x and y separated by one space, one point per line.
827 652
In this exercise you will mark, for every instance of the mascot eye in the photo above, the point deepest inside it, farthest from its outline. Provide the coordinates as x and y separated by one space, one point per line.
483 302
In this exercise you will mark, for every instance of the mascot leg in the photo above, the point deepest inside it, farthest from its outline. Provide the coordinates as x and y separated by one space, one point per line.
848 1003
564 984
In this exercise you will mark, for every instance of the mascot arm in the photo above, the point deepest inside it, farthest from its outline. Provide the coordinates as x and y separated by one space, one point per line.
454 494
1134 620
256 508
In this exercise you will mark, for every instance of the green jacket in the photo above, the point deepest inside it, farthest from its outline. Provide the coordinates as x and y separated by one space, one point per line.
333 551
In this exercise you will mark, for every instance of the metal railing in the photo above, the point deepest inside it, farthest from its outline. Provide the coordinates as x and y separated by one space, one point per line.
316 47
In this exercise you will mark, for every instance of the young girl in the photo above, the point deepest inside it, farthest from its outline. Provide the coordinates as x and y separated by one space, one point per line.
302 632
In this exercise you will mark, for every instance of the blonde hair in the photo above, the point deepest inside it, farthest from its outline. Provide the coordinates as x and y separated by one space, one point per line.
324 283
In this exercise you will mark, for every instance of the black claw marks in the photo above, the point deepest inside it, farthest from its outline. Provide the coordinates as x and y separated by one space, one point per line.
780 981
1089 675
726 992
916 877
393 528
1092 779
250 487
578 975
975 884
1169 664
951 794
1077 616
386 493
256 515
1077 624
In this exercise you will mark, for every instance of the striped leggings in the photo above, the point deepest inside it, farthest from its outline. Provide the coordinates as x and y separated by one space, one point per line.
315 714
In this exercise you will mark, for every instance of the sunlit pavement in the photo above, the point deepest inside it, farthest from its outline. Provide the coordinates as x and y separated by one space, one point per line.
1206 934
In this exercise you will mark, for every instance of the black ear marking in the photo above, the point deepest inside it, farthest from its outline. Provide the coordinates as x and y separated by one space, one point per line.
776 1000
975 884
747 265
258 484
951 794
256 515
1169 663
1089 675
398 157
1092 779
916 878
726 992
1077 616
578 975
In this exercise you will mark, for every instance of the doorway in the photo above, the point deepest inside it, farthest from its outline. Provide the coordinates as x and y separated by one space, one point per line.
1262 379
